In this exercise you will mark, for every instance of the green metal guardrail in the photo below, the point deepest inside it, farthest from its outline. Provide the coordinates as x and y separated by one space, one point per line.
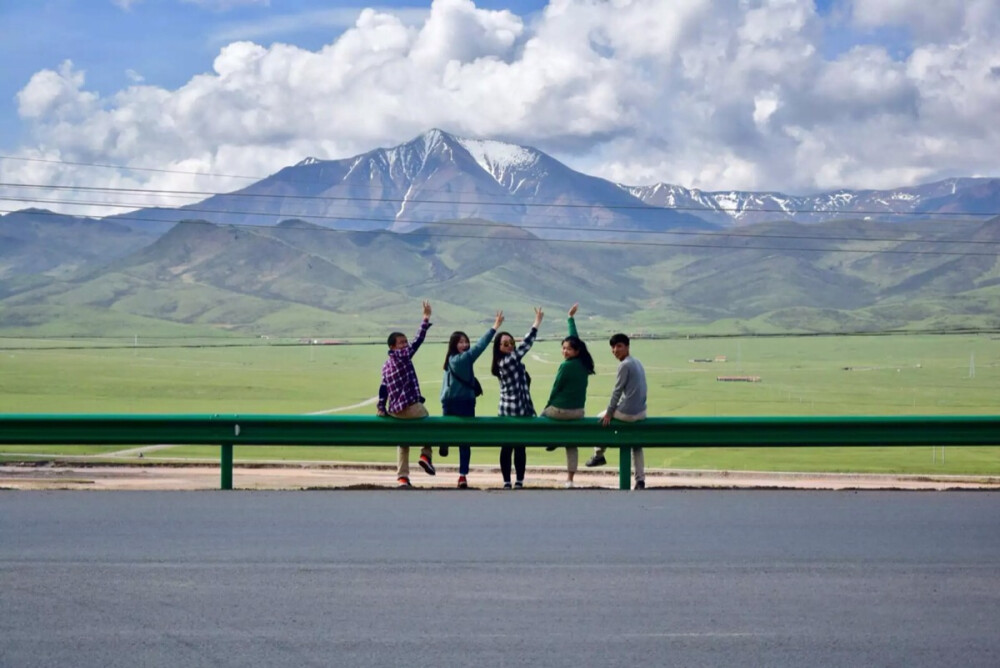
230 430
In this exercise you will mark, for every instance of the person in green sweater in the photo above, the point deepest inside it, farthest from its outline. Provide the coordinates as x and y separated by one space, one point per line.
569 390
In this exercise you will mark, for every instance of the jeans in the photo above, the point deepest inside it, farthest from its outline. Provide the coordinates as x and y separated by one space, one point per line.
461 408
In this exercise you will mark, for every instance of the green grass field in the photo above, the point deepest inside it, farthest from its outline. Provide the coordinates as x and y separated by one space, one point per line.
849 375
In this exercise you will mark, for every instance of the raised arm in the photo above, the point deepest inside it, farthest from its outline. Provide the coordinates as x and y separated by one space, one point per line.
422 332
571 322
529 338
480 346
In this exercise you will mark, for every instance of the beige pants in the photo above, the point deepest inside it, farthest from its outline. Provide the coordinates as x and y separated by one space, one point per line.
572 452
637 454
411 412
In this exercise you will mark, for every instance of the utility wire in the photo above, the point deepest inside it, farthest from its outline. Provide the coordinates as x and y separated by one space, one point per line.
393 200
624 188
501 224
419 233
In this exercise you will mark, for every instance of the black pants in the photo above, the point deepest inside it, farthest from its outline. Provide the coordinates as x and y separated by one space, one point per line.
520 461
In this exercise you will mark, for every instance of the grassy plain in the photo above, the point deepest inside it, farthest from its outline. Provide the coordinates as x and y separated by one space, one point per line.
829 375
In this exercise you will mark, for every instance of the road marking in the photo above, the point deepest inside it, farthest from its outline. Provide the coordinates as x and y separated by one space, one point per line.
132 452
340 409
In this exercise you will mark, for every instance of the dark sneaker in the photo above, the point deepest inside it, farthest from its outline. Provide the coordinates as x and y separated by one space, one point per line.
462 482
597 460
427 466
640 484
551 448
443 451
506 485
403 483
518 485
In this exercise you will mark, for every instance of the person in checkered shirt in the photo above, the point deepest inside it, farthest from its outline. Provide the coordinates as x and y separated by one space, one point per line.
515 393
399 394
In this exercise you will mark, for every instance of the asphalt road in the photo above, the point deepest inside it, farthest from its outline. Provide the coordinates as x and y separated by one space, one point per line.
529 578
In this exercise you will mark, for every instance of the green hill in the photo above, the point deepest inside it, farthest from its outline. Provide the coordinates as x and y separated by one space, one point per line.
299 279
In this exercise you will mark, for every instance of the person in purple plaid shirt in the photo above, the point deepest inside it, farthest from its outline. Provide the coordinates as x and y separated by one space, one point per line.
399 394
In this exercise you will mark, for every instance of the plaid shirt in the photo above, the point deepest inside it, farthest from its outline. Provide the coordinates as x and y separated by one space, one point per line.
399 387
515 397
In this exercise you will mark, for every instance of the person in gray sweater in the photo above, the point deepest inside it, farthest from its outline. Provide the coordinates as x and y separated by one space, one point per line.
628 403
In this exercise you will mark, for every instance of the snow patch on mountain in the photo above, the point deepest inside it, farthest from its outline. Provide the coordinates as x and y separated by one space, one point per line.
496 157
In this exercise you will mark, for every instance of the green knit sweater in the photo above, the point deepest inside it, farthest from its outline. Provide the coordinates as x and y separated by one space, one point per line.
569 390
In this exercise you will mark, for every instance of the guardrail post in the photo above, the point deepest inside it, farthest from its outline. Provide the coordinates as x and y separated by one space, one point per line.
227 466
624 466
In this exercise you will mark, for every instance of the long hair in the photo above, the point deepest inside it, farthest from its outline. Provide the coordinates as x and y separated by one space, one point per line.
583 354
453 346
497 355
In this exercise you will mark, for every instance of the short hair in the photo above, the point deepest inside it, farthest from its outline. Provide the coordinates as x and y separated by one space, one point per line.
393 337
619 338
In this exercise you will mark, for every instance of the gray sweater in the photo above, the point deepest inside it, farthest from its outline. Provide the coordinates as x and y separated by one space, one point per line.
629 395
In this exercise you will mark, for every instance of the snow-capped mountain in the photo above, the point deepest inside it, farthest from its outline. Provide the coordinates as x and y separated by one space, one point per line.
949 197
438 177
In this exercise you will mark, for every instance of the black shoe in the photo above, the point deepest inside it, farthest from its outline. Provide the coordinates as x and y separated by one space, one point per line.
427 466
597 460
640 484
443 451
506 485
518 485
551 448
403 483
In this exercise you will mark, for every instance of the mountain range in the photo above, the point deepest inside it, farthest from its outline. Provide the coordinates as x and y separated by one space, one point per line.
439 177
340 247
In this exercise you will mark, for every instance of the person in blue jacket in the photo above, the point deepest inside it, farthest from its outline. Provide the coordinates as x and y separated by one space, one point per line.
459 387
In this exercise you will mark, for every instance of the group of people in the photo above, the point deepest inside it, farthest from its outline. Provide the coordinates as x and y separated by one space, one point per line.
399 392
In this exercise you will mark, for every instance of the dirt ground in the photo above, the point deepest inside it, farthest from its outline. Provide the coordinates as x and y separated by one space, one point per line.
79 475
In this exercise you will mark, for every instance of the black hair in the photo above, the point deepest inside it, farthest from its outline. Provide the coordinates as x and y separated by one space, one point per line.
453 346
619 338
497 355
393 337
577 344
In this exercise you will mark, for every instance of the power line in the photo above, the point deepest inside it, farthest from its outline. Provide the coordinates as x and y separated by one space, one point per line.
608 242
488 224
393 200
235 176
624 188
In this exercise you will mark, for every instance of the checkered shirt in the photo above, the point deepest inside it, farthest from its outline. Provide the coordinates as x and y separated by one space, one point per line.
400 387
515 397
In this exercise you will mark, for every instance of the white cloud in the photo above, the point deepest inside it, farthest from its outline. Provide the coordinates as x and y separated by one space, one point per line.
716 95
934 23
56 96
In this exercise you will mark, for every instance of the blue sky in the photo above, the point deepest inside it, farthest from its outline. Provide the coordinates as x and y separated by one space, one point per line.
794 95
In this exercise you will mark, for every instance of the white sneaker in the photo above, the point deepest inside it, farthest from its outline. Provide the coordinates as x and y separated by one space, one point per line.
568 484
